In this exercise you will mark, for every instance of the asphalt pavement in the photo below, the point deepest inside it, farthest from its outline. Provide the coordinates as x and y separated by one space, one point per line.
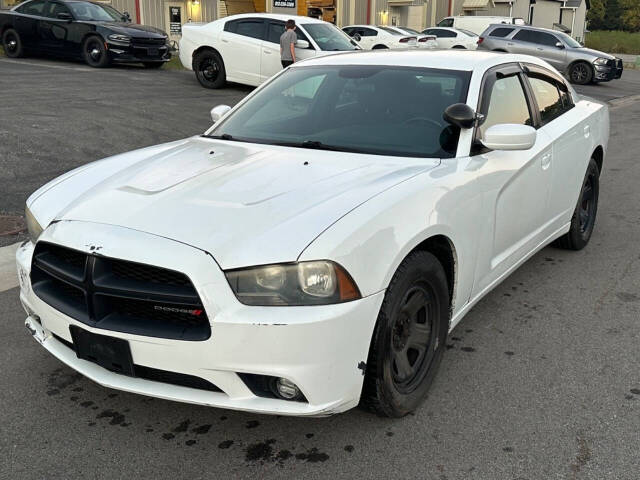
541 380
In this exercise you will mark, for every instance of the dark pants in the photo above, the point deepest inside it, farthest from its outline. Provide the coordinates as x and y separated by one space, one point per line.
286 63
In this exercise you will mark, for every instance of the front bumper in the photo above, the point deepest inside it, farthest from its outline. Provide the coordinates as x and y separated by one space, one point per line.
138 53
611 71
317 348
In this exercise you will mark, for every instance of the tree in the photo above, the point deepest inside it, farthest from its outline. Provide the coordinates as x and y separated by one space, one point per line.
595 15
631 15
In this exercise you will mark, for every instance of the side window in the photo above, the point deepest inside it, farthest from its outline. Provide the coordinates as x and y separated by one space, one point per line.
548 97
348 31
447 22
446 34
250 28
540 38
33 8
53 9
369 32
507 104
430 31
276 29
500 32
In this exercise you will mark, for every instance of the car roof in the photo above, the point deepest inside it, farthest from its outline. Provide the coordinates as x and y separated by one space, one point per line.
523 27
274 16
466 60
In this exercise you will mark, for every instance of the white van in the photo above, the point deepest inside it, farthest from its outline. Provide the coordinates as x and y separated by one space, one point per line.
477 24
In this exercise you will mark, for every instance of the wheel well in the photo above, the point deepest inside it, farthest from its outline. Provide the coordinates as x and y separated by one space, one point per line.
500 50
578 61
459 46
378 47
204 48
443 249
598 156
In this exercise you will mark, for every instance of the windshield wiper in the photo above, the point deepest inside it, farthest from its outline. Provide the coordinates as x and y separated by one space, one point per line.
224 136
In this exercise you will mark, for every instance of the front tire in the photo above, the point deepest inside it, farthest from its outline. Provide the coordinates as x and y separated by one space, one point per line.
209 68
12 44
584 216
95 53
581 73
409 338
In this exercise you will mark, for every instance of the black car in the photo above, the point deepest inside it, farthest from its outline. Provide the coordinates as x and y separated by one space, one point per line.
94 32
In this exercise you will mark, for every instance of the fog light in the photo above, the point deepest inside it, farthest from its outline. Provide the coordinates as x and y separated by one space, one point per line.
286 389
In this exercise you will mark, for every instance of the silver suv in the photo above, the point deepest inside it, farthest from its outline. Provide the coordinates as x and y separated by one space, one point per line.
581 65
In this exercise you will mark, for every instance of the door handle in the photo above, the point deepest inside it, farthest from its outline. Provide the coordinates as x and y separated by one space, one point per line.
268 52
509 44
587 131
546 160
225 41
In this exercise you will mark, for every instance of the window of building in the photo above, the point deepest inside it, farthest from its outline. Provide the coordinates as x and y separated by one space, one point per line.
507 104
532 36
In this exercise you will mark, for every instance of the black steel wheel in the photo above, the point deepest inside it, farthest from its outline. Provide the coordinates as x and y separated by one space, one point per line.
209 69
95 53
407 344
12 44
584 216
581 73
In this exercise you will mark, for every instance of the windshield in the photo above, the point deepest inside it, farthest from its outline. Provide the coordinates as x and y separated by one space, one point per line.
383 110
468 32
570 42
93 12
329 37
390 30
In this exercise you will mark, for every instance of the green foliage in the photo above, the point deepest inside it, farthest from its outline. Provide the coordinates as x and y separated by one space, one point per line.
614 15
614 42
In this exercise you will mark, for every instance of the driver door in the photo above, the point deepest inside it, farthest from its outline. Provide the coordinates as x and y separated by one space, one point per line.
55 33
517 184
270 56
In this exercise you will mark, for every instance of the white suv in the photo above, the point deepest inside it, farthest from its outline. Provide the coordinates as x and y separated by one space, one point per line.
246 48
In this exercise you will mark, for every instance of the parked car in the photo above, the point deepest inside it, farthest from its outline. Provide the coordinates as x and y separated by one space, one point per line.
581 65
453 38
313 249
94 32
246 48
477 23
370 37
424 41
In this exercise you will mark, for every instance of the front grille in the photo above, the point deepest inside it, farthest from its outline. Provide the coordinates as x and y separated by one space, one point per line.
118 295
148 41
163 376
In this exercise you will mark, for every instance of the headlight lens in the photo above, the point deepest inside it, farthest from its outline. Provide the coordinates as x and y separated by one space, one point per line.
119 38
294 284
600 61
33 226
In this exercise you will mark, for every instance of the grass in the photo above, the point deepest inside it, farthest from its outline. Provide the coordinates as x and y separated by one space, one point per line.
614 41
174 63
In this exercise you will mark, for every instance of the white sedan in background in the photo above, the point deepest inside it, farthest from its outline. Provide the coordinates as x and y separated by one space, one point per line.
424 41
312 250
370 37
246 48
453 38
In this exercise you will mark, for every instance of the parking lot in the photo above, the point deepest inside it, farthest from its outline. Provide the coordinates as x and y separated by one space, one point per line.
541 380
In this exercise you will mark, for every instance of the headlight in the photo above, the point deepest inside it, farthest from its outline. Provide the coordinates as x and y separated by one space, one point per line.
304 283
33 226
600 61
119 38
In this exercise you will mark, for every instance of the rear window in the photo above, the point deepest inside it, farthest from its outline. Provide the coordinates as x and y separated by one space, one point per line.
501 32
390 30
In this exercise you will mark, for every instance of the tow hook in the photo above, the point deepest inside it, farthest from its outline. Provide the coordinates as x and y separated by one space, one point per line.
31 329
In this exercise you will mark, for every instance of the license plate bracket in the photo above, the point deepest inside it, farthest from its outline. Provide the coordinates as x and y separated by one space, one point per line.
111 353
153 52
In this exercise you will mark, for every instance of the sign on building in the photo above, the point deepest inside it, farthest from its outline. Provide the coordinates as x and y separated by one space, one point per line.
284 3
175 20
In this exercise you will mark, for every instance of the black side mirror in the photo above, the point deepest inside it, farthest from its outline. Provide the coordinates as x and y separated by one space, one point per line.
357 37
65 16
126 17
461 115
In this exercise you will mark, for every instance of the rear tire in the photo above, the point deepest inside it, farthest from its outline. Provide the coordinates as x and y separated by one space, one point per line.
409 337
209 69
581 73
584 216
95 53
12 44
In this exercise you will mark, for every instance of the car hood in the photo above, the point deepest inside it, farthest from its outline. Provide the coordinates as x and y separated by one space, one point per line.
246 204
133 30
595 53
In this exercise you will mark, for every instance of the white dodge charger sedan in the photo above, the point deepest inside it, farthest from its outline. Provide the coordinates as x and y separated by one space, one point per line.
312 250
245 48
